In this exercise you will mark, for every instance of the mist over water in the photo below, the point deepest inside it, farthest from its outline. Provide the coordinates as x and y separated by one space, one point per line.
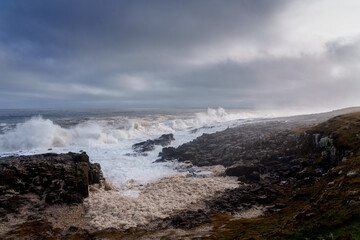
107 136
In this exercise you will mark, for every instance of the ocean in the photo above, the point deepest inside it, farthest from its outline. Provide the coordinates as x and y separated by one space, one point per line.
107 135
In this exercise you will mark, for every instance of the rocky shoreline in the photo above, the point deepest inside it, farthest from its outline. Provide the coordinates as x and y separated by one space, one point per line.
284 169
264 156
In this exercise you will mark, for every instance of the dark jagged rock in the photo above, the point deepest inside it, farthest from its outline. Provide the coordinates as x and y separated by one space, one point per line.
267 151
243 198
247 142
149 145
53 178
246 171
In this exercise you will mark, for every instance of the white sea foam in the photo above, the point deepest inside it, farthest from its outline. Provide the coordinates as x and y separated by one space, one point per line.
155 201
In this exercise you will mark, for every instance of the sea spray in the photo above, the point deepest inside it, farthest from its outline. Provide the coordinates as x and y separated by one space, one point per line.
39 133
108 139
34 133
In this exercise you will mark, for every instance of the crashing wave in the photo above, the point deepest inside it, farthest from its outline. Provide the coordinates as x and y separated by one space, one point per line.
39 133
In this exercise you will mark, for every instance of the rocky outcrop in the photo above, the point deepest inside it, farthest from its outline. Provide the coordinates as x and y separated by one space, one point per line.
149 145
228 147
268 157
51 178
266 151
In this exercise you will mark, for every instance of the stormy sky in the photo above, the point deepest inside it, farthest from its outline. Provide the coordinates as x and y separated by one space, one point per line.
287 54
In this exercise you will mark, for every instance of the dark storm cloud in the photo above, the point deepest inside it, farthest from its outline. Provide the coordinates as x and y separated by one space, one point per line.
47 28
158 54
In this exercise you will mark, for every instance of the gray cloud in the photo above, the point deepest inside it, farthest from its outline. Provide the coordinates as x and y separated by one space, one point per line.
165 54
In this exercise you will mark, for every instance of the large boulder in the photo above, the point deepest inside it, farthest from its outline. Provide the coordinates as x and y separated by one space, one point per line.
53 178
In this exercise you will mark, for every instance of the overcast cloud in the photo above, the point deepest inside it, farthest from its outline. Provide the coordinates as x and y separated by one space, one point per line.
162 54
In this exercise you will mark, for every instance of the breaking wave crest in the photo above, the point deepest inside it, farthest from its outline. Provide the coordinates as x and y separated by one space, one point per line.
34 133
39 133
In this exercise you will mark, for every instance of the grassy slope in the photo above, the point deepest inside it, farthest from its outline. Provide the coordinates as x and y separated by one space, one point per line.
333 211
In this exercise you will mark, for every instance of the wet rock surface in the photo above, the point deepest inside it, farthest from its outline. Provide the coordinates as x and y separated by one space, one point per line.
48 178
149 145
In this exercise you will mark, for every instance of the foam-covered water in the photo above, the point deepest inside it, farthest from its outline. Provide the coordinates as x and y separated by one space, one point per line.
109 209
107 136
